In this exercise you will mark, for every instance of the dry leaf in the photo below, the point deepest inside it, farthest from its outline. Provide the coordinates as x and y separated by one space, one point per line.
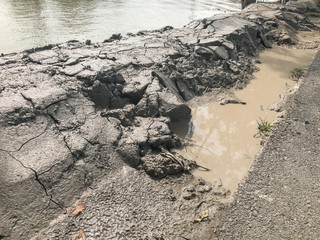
80 234
205 215
80 206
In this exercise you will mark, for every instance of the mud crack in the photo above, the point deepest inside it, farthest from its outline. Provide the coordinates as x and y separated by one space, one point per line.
26 142
39 181
28 100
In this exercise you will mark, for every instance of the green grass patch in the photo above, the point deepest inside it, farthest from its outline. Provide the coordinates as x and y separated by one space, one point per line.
297 73
265 130
264 126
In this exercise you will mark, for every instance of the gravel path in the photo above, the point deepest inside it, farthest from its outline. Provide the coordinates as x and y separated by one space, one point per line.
280 199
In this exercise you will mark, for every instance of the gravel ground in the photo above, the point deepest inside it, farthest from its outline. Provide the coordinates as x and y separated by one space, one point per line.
280 199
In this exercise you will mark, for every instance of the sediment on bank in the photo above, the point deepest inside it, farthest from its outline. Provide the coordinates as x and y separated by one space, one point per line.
72 113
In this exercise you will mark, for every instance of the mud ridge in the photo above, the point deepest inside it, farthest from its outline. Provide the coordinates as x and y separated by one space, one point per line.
106 109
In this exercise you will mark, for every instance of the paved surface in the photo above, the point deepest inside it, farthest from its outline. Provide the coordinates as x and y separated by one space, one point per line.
280 199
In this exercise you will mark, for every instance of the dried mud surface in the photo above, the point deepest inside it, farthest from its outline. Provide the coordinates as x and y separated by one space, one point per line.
89 122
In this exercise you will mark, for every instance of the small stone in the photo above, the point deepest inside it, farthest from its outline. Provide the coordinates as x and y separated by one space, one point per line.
188 195
204 52
113 38
102 56
201 182
204 189
190 189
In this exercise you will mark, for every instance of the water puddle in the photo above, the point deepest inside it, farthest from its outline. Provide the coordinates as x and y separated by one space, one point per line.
223 135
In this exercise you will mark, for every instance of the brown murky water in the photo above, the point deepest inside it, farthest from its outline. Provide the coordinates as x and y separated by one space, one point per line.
224 134
26 24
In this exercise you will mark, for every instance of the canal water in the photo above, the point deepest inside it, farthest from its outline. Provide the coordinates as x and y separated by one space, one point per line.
25 24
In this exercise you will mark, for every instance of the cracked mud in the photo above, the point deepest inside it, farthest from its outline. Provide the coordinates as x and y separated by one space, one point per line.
90 122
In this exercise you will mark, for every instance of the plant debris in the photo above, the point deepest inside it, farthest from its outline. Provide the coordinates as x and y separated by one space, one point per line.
80 206
79 235
297 73
204 216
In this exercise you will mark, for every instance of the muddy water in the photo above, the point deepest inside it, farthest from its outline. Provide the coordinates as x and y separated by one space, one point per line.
223 135
26 24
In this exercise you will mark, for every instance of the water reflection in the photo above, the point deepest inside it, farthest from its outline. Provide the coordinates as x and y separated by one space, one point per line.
30 23
183 128
28 13
74 18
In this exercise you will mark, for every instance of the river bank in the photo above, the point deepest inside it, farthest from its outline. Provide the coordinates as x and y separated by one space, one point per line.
89 122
